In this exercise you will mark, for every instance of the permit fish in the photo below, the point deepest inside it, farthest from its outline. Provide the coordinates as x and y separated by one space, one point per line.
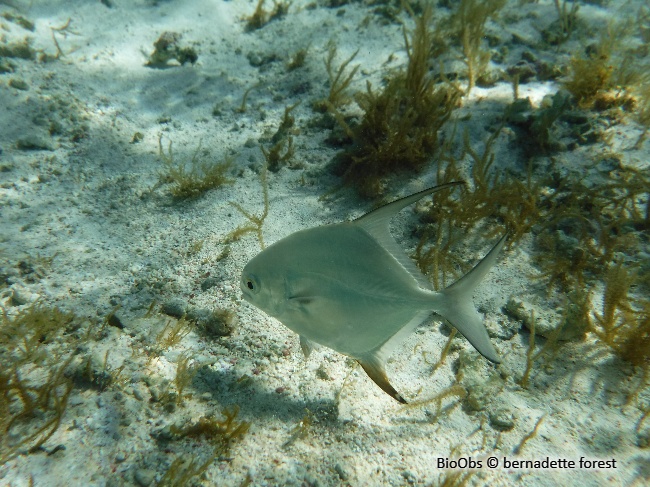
350 287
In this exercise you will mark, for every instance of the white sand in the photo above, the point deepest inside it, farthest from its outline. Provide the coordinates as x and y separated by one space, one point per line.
118 237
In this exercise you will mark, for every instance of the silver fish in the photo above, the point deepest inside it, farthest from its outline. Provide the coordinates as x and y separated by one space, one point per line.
350 287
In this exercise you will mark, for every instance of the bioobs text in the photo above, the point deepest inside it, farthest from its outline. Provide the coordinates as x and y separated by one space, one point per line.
461 462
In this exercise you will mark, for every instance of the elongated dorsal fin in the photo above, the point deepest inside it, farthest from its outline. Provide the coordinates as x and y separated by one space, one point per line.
376 224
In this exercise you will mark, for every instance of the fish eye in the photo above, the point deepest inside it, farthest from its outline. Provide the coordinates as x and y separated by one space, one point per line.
251 282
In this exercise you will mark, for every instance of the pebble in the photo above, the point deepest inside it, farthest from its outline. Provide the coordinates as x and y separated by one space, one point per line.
343 475
409 477
114 482
19 84
643 439
137 394
76 401
20 297
502 419
144 477
209 283
175 308
34 142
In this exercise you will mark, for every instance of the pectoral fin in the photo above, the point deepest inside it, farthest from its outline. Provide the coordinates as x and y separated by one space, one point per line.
375 370
300 301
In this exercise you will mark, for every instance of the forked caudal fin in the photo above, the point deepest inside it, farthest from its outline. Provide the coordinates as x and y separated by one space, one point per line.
458 306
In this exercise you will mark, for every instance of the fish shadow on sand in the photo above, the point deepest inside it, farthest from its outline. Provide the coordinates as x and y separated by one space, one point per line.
257 402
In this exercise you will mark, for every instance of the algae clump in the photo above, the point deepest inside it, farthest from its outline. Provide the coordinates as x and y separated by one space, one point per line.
168 48
34 389
400 123
468 23
191 181
220 433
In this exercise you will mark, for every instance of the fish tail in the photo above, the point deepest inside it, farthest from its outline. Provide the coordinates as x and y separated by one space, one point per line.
458 307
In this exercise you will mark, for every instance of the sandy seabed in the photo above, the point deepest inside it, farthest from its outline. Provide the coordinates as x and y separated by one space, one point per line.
88 225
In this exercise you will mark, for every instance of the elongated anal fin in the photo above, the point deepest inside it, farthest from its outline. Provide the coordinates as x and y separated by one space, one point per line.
376 372
306 345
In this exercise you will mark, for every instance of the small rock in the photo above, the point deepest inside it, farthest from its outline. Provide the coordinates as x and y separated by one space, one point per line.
75 401
114 482
6 66
488 78
409 477
255 59
322 374
113 320
481 382
643 439
548 321
523 70
20 297
144 477
138 394
502 419
477 398
343 475
214 323
34 142
529 56
19 84
175 308
210 282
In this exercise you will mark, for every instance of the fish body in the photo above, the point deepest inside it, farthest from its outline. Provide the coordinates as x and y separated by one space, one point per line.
351 296
349 287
